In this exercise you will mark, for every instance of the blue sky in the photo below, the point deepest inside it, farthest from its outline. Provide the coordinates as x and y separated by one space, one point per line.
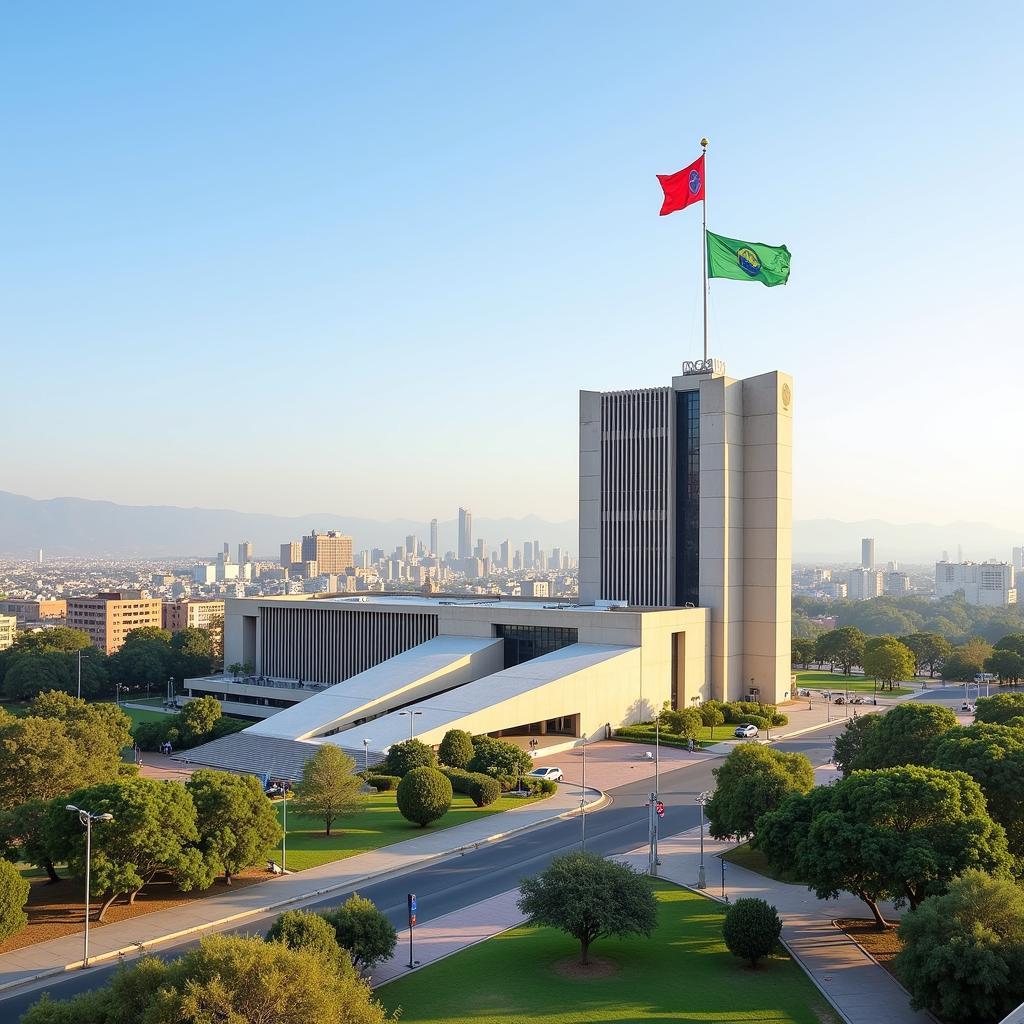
360 258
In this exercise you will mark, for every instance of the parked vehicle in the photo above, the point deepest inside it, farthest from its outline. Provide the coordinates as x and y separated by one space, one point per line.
745 732
966 708
803 692
551 774
838 699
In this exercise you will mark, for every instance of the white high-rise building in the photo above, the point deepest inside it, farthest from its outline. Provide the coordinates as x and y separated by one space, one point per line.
1018 559
686 499
864 584
992 584
867 553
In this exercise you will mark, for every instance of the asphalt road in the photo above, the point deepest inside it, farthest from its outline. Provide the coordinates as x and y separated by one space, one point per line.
457 882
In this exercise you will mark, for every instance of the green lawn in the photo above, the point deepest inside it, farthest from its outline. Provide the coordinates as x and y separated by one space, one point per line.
837 683
745 856
378 824
682 973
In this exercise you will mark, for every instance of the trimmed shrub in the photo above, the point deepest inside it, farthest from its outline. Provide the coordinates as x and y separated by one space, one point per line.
383 783
498 757
424 795
456 749
480 788
778 720
303 929
362 931
761 723
404 757
13 897
751 929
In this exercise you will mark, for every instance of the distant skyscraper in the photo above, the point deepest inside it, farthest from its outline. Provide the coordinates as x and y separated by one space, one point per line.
434 550
410 545
867 553
1018 559
555 561
332 551
245 552
291 553
537 562
505 554
481 549
227 552
527 554
465 533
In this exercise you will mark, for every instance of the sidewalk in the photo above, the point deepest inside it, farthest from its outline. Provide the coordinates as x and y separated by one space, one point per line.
142 933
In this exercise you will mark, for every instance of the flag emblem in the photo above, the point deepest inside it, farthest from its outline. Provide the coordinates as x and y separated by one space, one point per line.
749 261
694 181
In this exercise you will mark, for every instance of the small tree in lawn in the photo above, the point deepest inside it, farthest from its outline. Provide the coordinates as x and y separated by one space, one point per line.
237 823
589 898
13 897
751 929
329 789
424 795
456 749
710 717
199 716
363 931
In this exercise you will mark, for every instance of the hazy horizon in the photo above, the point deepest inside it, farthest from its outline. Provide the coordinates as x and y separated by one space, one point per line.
363 259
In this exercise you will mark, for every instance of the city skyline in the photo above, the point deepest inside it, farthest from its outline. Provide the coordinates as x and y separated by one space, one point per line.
208 226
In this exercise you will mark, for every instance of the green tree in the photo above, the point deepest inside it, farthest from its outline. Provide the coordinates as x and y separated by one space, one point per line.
140 633
589 898
456 749
63 639
237 824
192 653
1000 708
1011 642
895 833
25 836
751 781
101 728
930 651
403 757
849 744
13 897
843 647
239 980
803 651
31 674
498 757
711 717
363 932
967 660
993 756
905 735
329 789
153 832
963 952
141 661
423 796
1008 665
304 929
198 718
751 929
889 662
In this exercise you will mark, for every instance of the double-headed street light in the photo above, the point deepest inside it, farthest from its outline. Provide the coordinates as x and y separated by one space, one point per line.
412 721
87 818
702 799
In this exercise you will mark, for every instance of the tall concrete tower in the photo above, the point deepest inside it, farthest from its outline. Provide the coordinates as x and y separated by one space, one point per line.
686 498
465 533
433 538
867 553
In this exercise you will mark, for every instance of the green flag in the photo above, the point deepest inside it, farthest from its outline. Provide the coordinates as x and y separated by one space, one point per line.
747 261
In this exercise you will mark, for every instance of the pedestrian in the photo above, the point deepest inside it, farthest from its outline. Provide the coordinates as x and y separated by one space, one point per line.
689 745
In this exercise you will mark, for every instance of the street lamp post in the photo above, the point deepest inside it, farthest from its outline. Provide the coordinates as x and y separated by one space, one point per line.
412 722
79 673
366 755
657 785
87 819
284 827
702 880
583 801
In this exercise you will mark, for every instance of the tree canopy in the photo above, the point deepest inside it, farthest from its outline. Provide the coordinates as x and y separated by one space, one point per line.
1000 708
589 898
329 788
752 780
889 661
903 736
843 647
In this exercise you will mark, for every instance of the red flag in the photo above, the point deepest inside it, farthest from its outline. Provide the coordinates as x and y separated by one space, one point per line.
684 187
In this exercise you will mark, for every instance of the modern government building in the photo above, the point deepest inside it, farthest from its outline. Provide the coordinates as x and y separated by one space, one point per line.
685 560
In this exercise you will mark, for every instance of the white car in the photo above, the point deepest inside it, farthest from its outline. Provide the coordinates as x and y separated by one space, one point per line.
966 708
745 731
551 774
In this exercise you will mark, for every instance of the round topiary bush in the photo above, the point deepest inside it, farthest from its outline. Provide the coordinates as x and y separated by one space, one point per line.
456 749
484 790
779 720
424 795
303 929
751 929
403 757
13 897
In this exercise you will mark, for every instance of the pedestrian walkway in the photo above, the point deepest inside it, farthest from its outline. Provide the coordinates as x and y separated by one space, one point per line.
139 934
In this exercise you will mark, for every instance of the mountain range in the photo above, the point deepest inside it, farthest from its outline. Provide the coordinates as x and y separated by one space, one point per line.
78 527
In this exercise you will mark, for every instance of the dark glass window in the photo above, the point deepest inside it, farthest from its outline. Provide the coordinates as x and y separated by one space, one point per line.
524 643
687 497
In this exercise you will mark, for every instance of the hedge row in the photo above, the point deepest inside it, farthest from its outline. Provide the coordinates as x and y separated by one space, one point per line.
481 789
383 783
644 734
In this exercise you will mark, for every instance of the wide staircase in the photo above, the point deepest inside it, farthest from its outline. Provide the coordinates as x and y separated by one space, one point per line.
256 755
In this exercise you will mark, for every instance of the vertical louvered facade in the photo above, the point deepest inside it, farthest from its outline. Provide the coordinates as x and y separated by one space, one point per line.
321 643
637 479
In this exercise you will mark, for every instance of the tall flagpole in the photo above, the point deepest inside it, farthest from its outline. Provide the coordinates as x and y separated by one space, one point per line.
704 243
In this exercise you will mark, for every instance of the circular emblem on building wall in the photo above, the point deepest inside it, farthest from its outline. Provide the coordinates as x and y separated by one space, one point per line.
787 396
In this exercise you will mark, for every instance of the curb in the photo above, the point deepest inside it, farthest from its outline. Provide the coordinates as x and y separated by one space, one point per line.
139 948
